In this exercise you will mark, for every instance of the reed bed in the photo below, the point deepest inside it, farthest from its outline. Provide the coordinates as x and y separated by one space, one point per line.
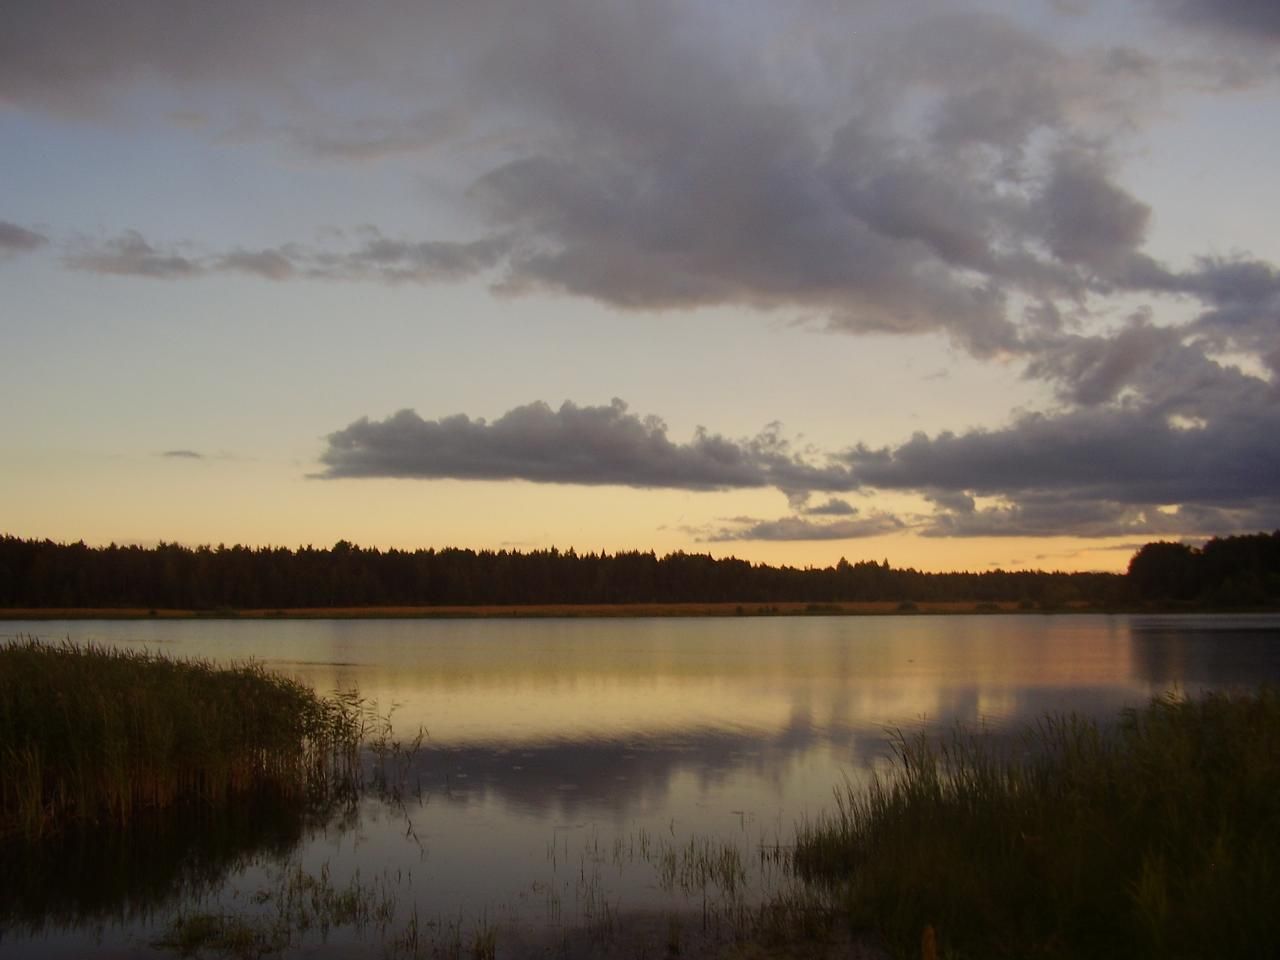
1156 837
94 735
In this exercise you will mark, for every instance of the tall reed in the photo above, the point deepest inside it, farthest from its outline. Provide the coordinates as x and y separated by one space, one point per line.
94 735
1155 837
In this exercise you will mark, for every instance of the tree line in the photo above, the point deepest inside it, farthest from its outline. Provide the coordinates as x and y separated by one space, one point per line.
1226 571
42 573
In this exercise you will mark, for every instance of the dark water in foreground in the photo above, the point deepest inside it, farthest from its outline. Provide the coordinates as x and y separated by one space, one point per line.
569 762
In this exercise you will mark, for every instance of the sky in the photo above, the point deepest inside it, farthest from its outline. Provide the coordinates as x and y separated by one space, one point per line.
956 285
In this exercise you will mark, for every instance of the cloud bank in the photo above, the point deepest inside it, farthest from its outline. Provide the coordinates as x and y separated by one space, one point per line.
1119 470
580 445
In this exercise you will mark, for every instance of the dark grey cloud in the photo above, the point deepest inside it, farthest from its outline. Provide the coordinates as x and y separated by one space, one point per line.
1222 46
701 185
378 258
952 501
1257 20
16 239
580 445
1197 461
129 254
997 83
833 507
1089 220
1055 515
800 528
183 454
268 264
397 261
79 56
1175 369
1159 440
1242 296
1113 454
1090 370
1157 434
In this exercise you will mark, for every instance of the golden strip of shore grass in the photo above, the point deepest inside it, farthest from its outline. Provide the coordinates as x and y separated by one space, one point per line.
751 608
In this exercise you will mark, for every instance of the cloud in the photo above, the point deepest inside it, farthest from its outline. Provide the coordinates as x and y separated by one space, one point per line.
398 261
659 159
834 507
1188 453
1114 454
15 239
1057 515
1243 299
798 528
129 254
80 58
1185 451
665 159
1257 20
580 445
1089 220
1155 436
183 454
268 264
1091 370
703 186
379 258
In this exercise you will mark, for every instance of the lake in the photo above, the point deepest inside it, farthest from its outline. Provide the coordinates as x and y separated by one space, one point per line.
568 764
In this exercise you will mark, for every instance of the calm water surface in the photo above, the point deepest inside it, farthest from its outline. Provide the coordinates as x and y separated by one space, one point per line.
556 748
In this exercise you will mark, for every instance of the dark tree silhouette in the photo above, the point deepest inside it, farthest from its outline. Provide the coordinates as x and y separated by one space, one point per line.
43 574
1236 571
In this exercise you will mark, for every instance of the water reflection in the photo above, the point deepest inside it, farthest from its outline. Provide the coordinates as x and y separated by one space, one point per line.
107 874
569 778
1195 651
539 731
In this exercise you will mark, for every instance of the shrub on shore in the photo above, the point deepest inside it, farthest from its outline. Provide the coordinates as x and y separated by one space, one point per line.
1159 837
90 735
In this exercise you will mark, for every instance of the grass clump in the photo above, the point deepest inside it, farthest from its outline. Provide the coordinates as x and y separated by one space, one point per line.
96 736
1156 837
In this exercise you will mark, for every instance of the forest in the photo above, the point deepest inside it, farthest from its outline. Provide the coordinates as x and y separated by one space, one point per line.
1225 572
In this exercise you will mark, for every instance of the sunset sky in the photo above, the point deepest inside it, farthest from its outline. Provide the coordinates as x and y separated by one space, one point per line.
954 284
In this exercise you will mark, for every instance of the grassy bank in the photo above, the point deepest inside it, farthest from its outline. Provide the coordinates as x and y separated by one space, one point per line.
89 735
1157 838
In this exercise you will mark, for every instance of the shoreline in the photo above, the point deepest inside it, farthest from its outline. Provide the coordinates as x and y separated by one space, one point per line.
595 611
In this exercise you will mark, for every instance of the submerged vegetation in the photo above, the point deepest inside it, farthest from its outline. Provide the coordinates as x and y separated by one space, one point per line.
91 735
1158 837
